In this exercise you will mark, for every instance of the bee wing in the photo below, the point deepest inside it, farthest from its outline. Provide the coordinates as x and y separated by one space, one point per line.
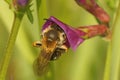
40 67
41 63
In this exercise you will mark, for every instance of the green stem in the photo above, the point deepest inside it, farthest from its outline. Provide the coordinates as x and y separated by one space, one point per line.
52 70
41 11
51 73
108 64
38 5
113 57
8 52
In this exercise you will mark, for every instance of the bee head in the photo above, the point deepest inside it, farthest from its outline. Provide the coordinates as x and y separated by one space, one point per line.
52 35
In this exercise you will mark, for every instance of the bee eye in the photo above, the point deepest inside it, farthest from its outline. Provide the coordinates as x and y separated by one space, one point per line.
64 36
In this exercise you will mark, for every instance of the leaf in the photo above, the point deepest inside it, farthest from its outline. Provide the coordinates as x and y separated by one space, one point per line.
8 1
29 15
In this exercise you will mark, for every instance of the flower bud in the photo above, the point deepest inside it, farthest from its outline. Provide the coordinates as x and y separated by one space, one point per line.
94 30
20 4
92 7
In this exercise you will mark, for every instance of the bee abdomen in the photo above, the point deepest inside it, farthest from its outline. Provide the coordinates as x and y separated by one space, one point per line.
41 63
40 66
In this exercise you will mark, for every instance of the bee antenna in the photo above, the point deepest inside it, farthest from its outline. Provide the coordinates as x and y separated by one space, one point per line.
45 19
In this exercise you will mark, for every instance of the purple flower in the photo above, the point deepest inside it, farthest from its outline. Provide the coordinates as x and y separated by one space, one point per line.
94 30
92 7
74 36
18 4
22 2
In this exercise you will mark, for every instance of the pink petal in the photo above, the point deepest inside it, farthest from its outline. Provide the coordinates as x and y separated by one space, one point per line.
73 35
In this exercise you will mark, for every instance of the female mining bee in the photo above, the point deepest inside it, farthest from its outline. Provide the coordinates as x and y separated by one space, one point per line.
52 46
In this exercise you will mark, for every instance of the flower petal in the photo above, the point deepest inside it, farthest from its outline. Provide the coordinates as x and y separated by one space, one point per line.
73 35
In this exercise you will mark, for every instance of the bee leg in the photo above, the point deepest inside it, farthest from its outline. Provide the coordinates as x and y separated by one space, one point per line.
58 51
37 44
63 48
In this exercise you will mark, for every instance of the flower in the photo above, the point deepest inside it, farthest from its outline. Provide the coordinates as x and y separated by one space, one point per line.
74 36
20 4
92 7
95 30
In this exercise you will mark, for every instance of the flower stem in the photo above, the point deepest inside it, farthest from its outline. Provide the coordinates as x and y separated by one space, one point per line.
41 11
52 69
12 38
113 57
107 64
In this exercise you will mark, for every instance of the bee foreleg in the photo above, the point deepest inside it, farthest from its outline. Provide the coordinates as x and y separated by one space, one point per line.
37 44
63 48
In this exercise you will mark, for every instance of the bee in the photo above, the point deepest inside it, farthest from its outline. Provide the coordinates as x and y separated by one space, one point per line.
52 47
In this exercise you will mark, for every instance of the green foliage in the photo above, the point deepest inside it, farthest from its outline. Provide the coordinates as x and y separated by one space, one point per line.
29 15
38 3
8 1
95 59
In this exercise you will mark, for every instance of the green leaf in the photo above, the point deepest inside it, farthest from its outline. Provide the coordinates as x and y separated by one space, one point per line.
111 3
8 1
29 15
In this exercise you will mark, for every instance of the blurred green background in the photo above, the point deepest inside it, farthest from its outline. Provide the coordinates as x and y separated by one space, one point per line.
86 63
